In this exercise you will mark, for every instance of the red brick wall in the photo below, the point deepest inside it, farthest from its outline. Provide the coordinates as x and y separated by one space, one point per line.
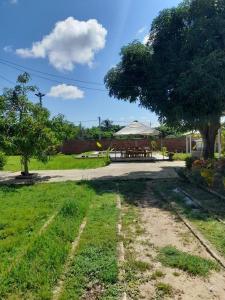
80 146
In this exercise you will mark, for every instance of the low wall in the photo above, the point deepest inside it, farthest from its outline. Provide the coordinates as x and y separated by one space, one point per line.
80 146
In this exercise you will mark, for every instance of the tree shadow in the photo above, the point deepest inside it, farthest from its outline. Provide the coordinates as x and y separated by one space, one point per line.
148 193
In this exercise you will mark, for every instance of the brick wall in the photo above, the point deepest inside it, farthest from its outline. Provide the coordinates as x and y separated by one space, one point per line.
80 146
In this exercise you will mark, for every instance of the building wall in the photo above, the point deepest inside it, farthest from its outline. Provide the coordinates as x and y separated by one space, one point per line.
80 146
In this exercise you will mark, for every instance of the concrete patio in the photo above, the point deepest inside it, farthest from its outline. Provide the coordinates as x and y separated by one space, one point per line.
143 170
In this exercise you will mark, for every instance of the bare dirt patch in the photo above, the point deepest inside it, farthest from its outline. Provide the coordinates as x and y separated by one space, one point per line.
153 227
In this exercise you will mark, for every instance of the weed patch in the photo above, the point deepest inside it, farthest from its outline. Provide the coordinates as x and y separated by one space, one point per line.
194 265
163 289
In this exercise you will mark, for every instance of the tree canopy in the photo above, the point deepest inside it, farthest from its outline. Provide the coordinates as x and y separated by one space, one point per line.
25 126
179 73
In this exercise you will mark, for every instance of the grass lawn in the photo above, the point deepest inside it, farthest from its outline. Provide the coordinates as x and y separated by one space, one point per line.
37 227
57 162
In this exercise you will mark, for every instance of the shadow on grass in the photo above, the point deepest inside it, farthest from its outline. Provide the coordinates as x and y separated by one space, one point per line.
147 193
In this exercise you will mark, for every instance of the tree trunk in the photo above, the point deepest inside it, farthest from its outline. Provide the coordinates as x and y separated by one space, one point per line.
25 161
209 133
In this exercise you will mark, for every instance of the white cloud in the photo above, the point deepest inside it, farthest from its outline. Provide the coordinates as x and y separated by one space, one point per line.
8 49
71 42
145 39
64 91
142 30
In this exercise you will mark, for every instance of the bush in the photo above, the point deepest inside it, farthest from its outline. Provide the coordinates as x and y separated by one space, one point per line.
189 161
181 156
171 156
3 160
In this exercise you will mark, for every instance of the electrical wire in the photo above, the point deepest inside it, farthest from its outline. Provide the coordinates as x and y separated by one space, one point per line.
24 68
53 80
6 79
50 74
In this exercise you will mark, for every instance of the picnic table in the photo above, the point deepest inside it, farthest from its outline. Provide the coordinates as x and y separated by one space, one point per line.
135 152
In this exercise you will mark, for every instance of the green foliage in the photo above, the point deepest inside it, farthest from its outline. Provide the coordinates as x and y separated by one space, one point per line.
26 125
181 156
63 129
3 160
164 152
195 265
163 289
157 274
166 130
106 131
189 161
153 145
179 73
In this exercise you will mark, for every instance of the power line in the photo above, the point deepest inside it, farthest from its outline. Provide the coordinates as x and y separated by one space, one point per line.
24 68
53 80
50 74
6 79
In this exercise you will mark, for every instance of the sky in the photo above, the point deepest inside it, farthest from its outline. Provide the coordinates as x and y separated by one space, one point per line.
68 46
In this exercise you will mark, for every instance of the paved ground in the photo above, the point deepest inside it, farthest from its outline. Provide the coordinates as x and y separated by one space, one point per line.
157 170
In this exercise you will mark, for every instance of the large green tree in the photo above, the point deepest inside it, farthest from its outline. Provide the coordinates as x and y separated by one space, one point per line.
25 126
180 73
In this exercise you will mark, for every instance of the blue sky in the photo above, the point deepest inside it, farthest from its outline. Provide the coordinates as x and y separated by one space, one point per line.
78 39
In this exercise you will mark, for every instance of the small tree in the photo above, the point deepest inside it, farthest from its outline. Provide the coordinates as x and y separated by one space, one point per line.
26 125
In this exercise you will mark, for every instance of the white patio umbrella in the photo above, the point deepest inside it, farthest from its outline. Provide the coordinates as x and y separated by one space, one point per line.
137 128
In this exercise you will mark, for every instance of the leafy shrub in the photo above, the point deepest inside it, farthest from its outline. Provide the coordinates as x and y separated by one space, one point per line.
171 156
207 174
189 161
3 160
181 156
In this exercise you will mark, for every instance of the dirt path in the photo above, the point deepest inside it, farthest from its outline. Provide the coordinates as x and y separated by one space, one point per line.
155 227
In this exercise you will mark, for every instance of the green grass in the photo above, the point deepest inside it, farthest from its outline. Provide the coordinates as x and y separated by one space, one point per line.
181 156
157 274
24 210
194 265
31 263
94 269
163 290
56 162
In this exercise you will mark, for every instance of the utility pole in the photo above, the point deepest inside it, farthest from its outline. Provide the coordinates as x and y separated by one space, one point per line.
81 131
99 125
40 96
